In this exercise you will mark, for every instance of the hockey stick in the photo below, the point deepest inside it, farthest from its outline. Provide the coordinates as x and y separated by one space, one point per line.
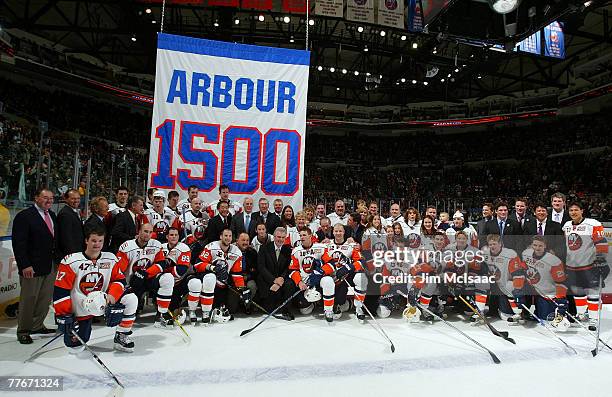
572 317
246 331
95 356
596 349
493 355
188 340
501 334
57 335
543 324
257 305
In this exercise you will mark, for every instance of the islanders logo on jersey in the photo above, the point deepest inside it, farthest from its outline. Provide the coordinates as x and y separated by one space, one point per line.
414 240
495 272
391 4
533 275
574 242
141 264
161 227
307 263
92 281
340 259
379 246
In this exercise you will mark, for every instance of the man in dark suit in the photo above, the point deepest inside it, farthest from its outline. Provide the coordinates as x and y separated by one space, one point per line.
271 220
552 232
243 221
354 228
508 228
487 215
272 273
559 213
99 210
34 247
520 213
219 222
126 223
325 232
249 265
70 237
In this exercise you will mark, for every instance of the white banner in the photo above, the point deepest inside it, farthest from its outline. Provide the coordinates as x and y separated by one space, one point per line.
360 11
329 8
229 114
9 276
391 13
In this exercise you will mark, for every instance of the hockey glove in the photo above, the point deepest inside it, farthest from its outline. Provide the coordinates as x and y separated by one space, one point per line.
220 271
65 324
137 281
114 314
561 305
343 271
245 295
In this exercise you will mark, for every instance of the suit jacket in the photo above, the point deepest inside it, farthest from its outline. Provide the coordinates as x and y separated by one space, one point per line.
33 244
322 236
93 222
356 234
215 226
70 238
269 268
123 230
237 225
564 218
553 234
272 221
527 219
480 226
249 263
512 237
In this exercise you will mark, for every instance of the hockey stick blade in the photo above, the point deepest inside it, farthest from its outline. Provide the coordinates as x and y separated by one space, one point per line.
594 352
246 331
494 331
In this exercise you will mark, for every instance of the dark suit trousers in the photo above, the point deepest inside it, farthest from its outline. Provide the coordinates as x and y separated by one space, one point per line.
36 296
271 300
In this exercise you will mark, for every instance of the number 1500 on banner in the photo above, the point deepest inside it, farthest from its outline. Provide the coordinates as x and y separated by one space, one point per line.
277 149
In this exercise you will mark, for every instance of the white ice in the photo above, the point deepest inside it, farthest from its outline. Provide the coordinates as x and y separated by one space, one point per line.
306 357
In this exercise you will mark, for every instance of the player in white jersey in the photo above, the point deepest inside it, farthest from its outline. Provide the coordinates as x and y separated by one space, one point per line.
460 225
188 221
145 267
89 284
121 199
234 206
544 277
293 232
586 265
501 263
184 205
160 217
391 277
348 264
306 272
220 266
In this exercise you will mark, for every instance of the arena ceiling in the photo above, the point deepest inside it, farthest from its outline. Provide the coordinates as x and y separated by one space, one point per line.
123 32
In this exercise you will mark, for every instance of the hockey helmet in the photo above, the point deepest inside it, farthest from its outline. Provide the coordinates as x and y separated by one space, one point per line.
312 295
94 303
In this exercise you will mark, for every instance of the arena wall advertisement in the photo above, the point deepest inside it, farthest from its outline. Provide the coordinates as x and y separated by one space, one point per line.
9 278
231 114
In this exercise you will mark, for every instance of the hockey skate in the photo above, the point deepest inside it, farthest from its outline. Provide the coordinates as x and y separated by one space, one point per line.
360 314
164 320
193 318
514 319
206 318
593 324
123 342
476 320
329 316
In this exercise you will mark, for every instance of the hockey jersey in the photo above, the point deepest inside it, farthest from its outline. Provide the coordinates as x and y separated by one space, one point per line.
335 219
546 274
374 240
501 266
213 254
234 208
188 223
161 222
133 257
183 205
293 237
78 276
469 230
115 209
256 244
584 241
180 256
302 260
341 255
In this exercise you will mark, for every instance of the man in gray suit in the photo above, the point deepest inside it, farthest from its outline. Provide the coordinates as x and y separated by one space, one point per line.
243 222
487 215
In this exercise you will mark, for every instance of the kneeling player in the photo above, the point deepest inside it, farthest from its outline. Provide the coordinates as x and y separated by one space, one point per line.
544 273
218 261
89 284
145 267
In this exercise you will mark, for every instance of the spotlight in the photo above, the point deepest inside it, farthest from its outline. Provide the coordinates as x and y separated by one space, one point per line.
425 83
479 76
403 38
337 88
236 21
216 24
448 75
441 80
380 75
154 21
311 22
365 49
435 51
286 19
148 10
261 18
383 33
456 70
292 40
332 69
319 68
344 71
415 45
403 80
368 74
360 29
134 38
356 73
414 81
503 6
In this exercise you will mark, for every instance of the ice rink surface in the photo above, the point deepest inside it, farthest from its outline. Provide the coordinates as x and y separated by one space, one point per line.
307 357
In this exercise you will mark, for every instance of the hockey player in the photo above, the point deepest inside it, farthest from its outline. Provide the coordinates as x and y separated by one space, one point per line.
179 256
185 204
391 276
146 269
159 216
305 270
460 225
234 206
501 263
375 236
187 222
121 197
347 263
88 284
220 266
586 262
173 200
293 236
544 276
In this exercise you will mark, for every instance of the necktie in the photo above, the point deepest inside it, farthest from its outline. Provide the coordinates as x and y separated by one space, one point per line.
247 221
540 232
49 223
557 216
501 228
277 253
